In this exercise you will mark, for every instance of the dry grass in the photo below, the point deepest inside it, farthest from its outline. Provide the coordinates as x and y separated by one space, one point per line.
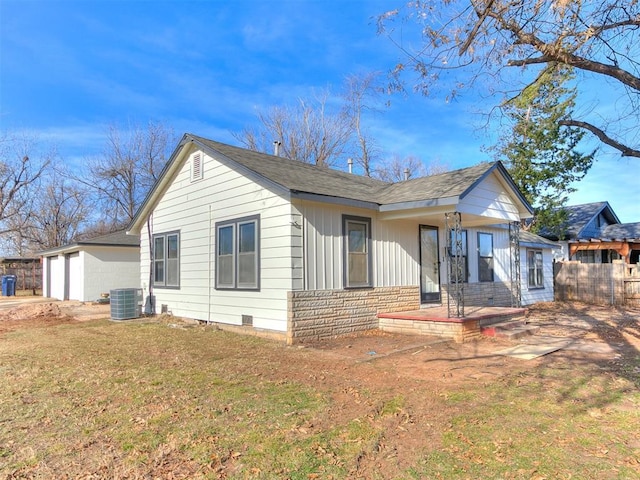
102 399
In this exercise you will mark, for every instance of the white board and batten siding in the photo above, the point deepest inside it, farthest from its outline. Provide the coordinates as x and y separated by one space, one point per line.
501 253
193 208
394 247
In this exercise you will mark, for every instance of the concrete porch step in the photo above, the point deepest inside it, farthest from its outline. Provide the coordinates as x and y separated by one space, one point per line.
509 330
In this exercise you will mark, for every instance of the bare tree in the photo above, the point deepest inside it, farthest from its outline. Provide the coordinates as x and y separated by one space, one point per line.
22 163
61 210
123 174
460 42
397 169
308 132
361 96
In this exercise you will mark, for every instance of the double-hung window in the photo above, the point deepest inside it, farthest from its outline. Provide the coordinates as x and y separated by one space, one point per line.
357 251
238 254
485 257
534 266
166 260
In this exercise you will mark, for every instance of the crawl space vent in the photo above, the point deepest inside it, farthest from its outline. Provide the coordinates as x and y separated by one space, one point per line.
247 320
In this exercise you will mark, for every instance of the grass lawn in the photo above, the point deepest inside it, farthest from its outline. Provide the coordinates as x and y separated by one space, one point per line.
102 399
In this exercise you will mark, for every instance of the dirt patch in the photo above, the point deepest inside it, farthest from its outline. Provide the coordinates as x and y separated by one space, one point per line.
34 313
606 335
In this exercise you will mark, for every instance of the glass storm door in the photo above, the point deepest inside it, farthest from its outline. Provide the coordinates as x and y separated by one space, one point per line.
429 265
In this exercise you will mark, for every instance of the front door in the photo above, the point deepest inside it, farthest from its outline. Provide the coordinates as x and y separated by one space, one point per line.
429 265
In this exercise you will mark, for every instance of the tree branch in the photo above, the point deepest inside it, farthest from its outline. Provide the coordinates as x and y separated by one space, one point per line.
603 137
581 63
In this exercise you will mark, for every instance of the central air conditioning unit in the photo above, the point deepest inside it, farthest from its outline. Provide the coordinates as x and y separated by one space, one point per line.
126 303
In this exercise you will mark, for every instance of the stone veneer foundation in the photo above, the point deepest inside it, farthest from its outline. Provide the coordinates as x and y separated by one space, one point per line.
460 329
484 294
321 314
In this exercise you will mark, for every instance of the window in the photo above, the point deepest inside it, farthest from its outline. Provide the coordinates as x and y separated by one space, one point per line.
357 251
196 166
485 257
166 260
608 256
238 254
534 265
461 250
586 256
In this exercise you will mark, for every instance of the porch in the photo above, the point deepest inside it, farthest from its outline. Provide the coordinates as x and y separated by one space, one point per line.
436 321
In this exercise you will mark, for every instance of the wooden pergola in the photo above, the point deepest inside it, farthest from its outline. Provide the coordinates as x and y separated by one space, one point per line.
622 246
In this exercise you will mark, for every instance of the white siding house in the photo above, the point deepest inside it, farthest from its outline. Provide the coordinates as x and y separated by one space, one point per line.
274 245
84 270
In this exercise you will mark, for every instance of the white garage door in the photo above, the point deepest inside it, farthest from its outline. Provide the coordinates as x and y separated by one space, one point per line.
75 277
55 277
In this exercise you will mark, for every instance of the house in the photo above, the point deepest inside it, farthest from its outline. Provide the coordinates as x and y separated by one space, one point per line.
85 269
594 234
296 251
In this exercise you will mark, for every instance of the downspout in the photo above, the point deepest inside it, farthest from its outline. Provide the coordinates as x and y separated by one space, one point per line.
149 306
209 270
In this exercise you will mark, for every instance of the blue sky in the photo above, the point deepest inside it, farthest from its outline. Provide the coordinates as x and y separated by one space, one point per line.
69 69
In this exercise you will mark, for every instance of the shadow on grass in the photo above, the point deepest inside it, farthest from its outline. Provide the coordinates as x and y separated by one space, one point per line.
589 376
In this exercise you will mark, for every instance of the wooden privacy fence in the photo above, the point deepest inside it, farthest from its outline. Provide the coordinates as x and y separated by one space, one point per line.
603 284
28 272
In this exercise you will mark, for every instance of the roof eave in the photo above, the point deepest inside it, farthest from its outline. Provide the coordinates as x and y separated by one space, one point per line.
349 202
430 203
539 245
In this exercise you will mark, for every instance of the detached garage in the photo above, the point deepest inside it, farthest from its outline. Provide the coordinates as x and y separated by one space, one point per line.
85 269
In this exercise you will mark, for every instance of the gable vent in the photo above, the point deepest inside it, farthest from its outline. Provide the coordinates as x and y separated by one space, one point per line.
196 167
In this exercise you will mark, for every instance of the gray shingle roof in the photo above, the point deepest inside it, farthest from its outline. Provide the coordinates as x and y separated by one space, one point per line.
622 231
531 239
118 239
301 177
115 239
298 176
578 216
447 184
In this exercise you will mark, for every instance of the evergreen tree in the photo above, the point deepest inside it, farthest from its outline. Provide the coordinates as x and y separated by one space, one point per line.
540 153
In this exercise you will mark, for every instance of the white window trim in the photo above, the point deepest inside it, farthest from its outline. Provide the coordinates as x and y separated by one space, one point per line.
480 257
235 224
165 237
346 220
534 251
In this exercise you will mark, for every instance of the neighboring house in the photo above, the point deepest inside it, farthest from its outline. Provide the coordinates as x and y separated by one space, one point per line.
594 234
85 269
298 251
536 260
